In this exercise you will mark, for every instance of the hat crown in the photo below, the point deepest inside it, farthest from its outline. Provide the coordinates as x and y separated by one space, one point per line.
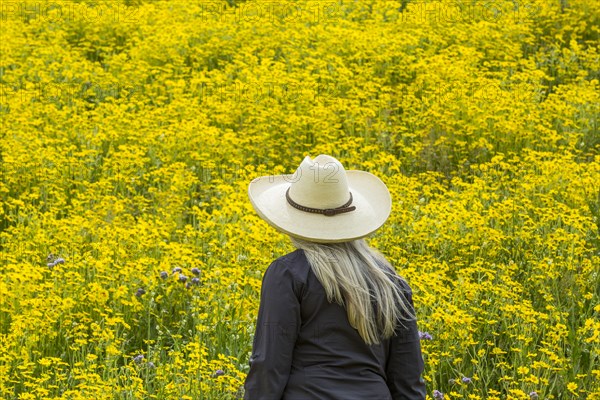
320 183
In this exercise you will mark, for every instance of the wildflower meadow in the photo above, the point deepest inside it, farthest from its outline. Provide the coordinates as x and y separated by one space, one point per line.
131 259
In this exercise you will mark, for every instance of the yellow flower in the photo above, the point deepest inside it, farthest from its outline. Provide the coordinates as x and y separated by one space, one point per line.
572 387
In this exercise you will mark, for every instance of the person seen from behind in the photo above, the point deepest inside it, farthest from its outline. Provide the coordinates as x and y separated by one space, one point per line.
335 321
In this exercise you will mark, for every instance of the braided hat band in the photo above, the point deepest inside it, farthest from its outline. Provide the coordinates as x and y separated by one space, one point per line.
325 211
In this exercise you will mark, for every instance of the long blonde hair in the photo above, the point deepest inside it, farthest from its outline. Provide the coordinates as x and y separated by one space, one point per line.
359 278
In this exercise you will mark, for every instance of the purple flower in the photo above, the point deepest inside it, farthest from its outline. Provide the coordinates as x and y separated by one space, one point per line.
138 359
437 395
466 380
140 292
196 271
176 269
182 278
219 372
195 281
534 396
164 275
53 262
425 336
150 364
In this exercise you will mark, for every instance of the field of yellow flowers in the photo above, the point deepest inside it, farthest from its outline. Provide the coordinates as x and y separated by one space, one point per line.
131 259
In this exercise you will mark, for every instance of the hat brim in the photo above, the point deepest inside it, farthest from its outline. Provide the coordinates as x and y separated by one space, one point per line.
369 194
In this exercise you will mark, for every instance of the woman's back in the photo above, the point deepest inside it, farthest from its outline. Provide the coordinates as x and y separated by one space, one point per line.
305 347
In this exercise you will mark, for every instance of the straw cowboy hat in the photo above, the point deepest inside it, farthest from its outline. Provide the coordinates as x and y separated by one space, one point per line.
322 202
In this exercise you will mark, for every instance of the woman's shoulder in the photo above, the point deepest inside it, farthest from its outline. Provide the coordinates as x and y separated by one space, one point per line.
397 278
296 257
294 264
290 269
404 285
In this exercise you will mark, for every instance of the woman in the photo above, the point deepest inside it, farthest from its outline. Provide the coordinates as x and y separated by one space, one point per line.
335 321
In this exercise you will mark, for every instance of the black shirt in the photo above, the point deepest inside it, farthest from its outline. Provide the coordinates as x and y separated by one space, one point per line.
305 349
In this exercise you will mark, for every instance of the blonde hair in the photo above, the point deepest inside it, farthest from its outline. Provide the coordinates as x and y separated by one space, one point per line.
359 278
